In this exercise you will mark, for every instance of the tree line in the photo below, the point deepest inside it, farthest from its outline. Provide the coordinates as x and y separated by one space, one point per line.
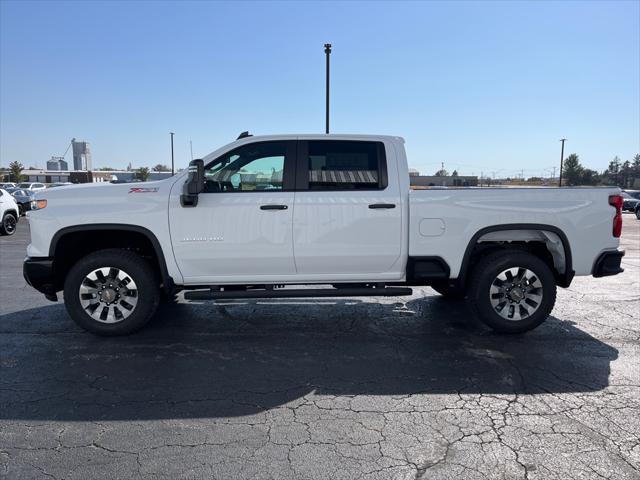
622 174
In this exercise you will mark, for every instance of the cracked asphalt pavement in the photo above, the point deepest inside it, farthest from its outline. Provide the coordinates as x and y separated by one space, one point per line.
363 388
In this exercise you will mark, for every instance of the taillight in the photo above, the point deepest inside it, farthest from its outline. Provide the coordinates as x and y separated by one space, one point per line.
616 201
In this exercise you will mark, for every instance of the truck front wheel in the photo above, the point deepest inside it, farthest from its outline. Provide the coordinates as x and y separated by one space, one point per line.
111 292
512 291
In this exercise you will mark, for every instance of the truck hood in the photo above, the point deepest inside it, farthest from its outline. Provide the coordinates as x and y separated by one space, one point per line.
90 190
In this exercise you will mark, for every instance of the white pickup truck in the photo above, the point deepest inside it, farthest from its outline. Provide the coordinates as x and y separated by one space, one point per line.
312 216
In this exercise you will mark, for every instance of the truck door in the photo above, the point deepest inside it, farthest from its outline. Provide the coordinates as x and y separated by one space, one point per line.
241 229
348 215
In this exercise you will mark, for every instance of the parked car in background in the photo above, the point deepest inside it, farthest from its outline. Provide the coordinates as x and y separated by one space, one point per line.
35 186
631 200
7 185
26 199
9 213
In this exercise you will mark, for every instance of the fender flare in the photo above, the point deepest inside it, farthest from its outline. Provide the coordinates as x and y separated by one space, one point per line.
167 281
564 280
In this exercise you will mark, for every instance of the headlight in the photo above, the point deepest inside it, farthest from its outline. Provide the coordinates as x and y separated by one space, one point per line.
39 204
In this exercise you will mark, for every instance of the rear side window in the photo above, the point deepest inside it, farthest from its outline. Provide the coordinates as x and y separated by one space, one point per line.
346 165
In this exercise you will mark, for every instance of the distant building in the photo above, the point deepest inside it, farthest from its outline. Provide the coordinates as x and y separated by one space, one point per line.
81 155
57 163
91 176
423 181
53 164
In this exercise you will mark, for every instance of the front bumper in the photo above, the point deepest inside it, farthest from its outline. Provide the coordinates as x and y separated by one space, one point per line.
608 263
38 272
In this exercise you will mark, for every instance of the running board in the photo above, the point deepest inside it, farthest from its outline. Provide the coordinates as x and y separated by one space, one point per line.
298 293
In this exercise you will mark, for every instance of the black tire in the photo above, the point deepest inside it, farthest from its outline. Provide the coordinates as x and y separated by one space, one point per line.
138 269
9 224
448 291
483 276
638 213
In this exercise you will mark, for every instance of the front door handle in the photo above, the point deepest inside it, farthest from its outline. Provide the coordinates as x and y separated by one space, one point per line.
273 207
382 205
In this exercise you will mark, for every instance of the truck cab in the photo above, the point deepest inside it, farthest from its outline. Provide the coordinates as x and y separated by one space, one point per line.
303 209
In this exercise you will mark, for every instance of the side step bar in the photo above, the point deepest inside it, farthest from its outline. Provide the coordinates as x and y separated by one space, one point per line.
298 293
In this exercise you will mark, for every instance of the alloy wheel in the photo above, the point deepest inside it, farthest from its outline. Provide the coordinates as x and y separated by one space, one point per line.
516 293
9 224
108 295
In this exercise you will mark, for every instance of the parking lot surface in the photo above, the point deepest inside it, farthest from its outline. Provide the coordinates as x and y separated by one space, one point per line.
385 388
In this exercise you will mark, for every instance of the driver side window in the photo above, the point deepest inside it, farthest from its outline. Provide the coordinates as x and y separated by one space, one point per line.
250 168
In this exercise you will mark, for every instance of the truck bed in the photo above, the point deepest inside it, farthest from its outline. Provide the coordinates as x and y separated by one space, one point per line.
443 222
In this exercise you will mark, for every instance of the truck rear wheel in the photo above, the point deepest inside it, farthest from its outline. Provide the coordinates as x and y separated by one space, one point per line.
111 292
512 291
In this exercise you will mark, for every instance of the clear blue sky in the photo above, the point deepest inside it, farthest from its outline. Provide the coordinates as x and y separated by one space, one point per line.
479 86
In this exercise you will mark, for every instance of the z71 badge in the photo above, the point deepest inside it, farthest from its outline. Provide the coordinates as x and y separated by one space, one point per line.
143 190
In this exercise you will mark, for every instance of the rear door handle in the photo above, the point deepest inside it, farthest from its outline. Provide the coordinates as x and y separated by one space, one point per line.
273 207
382 205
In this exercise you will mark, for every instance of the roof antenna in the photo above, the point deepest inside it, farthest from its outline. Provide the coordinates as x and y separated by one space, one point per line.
244 135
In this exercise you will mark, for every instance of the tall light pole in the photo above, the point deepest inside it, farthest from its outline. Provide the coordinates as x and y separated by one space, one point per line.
327 51
561 160
172 134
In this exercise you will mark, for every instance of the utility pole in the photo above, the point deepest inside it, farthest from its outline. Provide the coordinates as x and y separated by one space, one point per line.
191 148
172 168
327 51
554 173
561 160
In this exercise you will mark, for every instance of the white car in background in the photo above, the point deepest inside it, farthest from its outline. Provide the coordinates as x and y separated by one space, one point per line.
8 185
9 213
35 186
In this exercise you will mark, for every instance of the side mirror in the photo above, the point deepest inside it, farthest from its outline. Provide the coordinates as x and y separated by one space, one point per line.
193 185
